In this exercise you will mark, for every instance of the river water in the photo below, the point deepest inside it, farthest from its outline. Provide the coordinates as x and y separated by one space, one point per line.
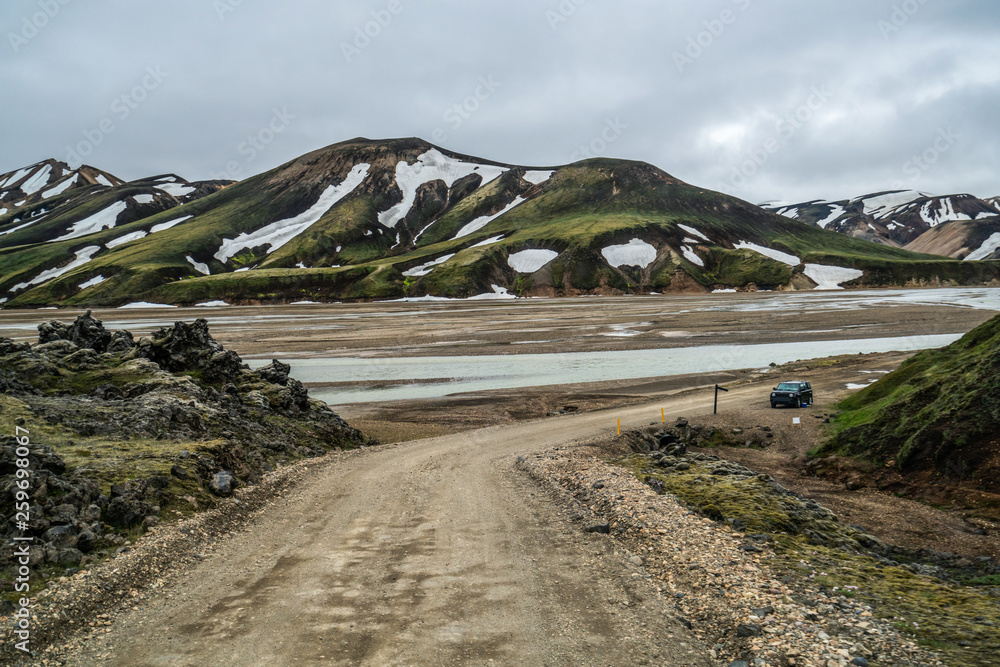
441 376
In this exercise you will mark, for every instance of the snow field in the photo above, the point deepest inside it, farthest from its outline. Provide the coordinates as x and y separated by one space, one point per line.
529 261
634 253
281 232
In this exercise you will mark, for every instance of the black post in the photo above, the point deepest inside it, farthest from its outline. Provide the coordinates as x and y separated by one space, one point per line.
715 411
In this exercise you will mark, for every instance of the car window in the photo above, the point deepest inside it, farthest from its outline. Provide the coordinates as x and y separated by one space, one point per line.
788 386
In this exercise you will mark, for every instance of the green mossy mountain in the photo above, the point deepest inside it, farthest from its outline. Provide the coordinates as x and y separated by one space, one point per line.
938 413
358 220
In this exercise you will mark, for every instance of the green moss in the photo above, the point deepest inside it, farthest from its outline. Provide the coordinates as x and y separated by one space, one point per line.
933 612
936 411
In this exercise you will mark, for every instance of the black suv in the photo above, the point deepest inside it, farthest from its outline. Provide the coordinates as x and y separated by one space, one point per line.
793 394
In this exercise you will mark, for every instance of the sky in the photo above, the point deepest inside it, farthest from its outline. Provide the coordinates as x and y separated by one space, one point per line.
762 99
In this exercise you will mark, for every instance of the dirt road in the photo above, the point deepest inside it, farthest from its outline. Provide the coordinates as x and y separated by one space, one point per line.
432 552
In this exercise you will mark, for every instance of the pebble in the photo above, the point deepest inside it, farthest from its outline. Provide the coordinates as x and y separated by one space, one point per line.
728 594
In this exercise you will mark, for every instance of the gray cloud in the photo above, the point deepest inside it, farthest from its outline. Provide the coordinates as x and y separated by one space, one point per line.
764 99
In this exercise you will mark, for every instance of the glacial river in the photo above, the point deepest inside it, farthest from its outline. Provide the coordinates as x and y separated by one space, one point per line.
440 376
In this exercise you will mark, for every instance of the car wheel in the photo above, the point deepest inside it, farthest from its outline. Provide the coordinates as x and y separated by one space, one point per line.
774 405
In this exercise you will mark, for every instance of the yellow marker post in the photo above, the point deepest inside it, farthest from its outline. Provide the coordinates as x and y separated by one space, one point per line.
619 427
663 417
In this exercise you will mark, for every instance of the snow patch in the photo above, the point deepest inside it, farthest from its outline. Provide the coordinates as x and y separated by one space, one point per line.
426 268
694 232
21 226
419 299
281 232
529 261
163 226
176 189
783 257
96 280
38 181
490 241
127 238
82 257
143 199
144 304
989 246
61 188
482 221
95 223
211 304
305 303
881 205
836 211
497 293
103 180
538 177
16 176
634 253
691 256
790 212
200 267
723 291
300 265
857 385
431 166
830 277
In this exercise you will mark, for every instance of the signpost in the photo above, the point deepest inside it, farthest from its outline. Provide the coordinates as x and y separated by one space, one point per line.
715 410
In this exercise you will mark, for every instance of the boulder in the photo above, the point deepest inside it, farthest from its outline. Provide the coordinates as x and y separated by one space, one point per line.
187 347
126 511
85 541
223 483
61 537
275 372
86 332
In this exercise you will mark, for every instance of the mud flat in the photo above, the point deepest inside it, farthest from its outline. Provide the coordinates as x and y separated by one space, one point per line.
525 326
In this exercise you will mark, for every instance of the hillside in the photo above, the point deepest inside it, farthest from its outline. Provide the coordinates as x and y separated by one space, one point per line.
387 219
935 420
970 240
896 218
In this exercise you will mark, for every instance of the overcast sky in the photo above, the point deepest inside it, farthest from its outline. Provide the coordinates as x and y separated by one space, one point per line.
763 99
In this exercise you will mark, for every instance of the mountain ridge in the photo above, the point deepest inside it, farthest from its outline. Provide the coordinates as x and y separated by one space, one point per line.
369 219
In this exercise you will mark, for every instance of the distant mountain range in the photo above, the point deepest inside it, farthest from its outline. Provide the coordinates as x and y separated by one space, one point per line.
400 218
958 226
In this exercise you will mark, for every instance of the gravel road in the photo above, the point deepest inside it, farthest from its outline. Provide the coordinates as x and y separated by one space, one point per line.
433 552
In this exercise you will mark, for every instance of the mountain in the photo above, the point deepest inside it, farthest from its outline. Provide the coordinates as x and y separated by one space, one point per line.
386 219
970 240
896 217
935 419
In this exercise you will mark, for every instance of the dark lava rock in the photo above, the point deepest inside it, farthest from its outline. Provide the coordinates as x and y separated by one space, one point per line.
275 372
860 662
222 483
179 472
125 511
749 630
68 556
188 347
86 332
61 537
86 541
604 528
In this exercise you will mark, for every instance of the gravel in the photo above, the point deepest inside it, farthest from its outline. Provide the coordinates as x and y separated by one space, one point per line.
732 599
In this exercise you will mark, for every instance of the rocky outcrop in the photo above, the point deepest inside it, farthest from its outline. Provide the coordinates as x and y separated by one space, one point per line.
149 429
